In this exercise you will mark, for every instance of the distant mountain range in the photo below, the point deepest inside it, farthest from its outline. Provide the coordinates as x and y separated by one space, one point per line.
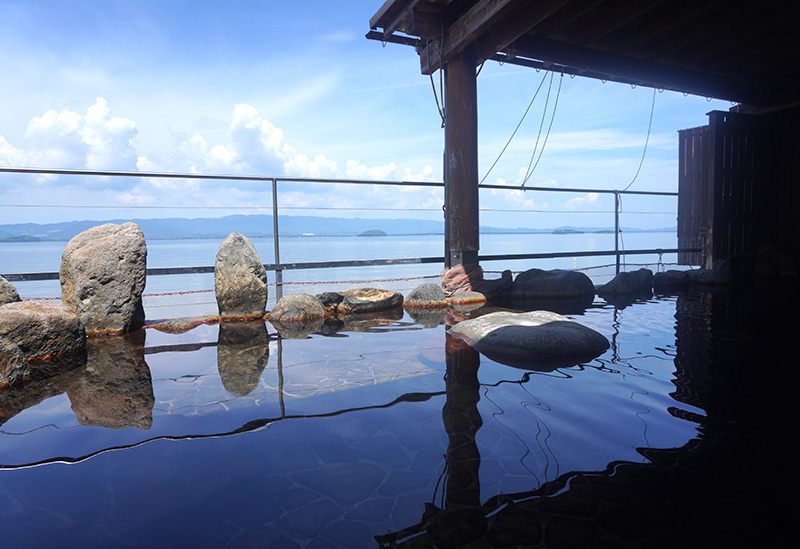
261 225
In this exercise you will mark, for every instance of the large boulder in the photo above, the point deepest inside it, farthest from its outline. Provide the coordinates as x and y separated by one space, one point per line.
103 271
557 283
240 280
461 278
671 280
8 293
50 337
534 340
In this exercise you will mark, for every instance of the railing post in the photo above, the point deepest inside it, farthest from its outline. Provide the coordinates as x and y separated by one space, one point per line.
616 227
276 241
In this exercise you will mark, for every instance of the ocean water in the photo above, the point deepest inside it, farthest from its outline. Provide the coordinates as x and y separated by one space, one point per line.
22 257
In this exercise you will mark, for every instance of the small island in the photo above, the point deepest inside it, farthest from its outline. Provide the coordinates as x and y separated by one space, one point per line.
567 231
373 232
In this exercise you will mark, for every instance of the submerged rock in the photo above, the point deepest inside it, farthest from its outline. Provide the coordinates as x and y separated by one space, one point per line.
426 296
102 275
240 280
533 340
557 283
8 293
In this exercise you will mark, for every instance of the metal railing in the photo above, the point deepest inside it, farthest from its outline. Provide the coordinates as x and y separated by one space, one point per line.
279 266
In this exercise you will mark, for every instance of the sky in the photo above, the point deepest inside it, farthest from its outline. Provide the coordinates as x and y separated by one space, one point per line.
286 88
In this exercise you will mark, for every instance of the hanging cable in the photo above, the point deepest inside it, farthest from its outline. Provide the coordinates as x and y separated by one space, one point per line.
547 135
539 135
646 141
515 129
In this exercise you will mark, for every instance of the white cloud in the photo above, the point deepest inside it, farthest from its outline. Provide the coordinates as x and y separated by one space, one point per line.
581 202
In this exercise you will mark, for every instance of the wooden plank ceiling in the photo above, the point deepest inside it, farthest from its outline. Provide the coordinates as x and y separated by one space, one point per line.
742 51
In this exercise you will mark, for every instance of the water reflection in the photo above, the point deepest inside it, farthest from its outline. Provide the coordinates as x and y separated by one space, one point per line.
242 355
115 389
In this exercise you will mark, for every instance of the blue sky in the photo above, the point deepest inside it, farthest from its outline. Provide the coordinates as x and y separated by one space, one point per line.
278 87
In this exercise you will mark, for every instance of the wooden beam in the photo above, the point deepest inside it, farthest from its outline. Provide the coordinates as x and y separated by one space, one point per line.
478 20
646 72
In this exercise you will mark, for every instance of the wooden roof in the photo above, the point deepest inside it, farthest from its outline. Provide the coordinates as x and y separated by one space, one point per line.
743 51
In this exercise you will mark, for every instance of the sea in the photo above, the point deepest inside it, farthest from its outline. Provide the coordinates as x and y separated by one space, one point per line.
190 295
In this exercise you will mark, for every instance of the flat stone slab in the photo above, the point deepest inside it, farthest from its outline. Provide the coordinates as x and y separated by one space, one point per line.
532 340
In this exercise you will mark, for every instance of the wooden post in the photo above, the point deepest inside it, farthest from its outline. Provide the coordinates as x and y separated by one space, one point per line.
461 158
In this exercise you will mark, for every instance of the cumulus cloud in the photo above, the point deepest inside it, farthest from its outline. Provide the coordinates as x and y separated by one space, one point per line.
68 139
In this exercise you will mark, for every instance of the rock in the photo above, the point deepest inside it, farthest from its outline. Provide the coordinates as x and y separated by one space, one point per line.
497 287
557 283
670 280
629 283
182 325
365 300
8 293
535 340
709 277
240 280
330 300
426 296
45 333
771 263
13 366
461 277
115 389
102 277
297 308
242 355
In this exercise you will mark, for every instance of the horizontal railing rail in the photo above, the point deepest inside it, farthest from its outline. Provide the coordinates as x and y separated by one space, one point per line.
279 266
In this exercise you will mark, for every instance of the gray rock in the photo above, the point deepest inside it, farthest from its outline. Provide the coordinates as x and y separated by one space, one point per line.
102 274
297 308
557 283
627 283
533 340
670 280
498 286
8 293
51 337
330 300
709 277
426 296
13 366
240 280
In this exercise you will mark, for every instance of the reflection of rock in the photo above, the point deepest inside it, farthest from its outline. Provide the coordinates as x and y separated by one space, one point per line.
364 322
240 280
115 390
242 355
8 293
18 397
429 318
534 340
426 296
52 338
297 330
103 276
